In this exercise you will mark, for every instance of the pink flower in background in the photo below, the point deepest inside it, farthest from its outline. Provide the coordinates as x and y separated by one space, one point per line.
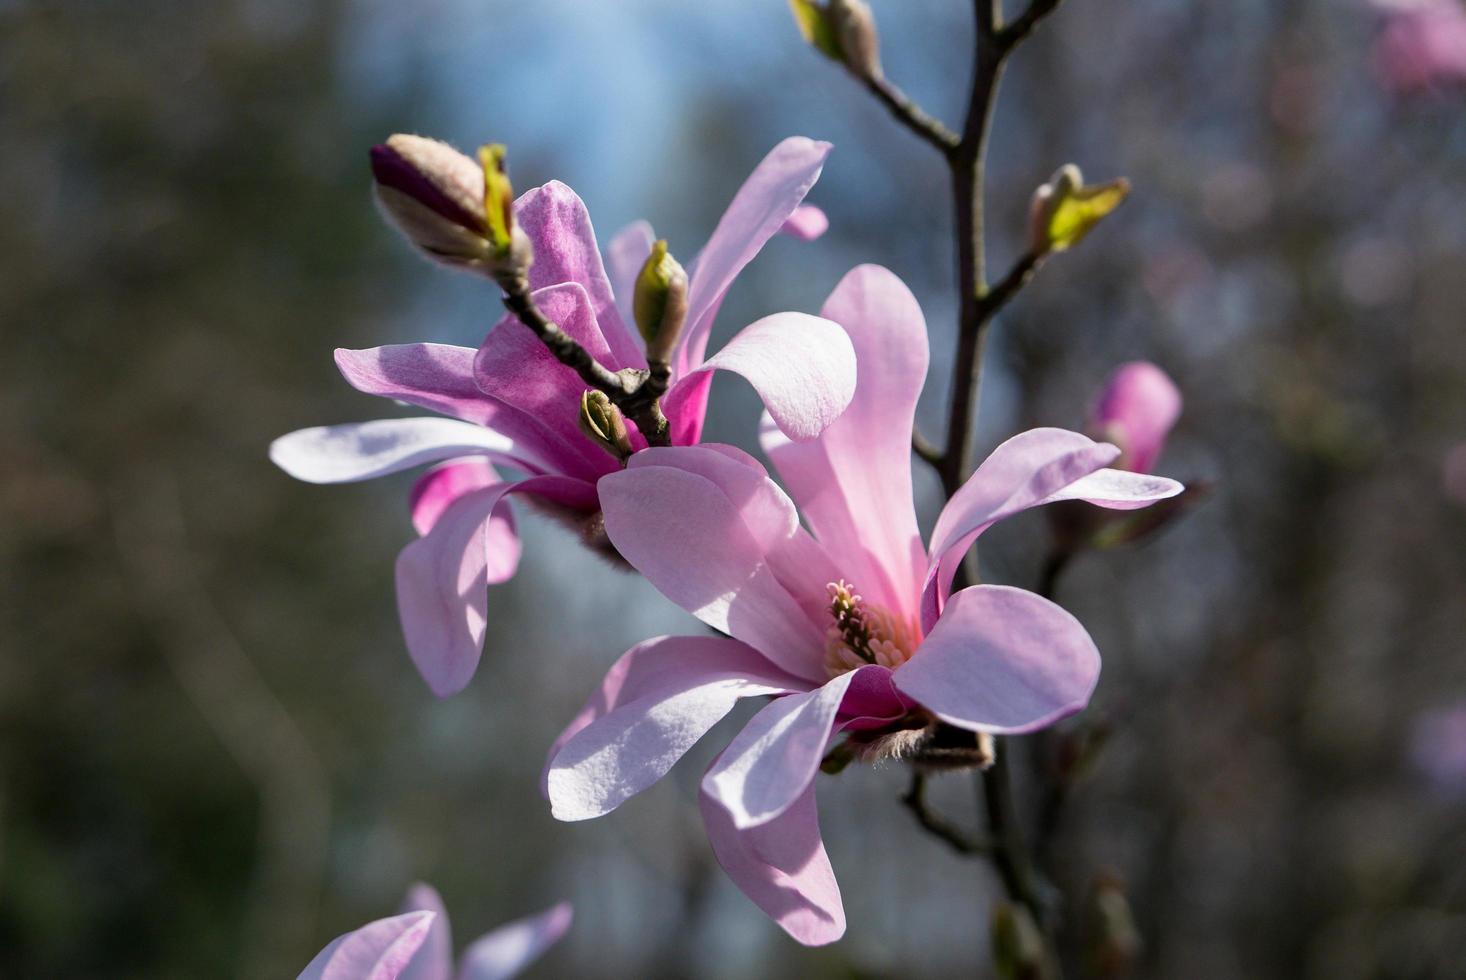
511 402
1438 748
417 945
853 627
1136 410
1422 44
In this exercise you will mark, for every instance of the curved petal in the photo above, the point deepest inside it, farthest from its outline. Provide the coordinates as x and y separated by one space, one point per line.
363 450
853 483
705 540
654 704
782 867
510 948
806 223
443 580
434 960
1030 469
802 366
625 256
765 201
514 367
379 950
774 759
438 488
558 226
1002 660
439 377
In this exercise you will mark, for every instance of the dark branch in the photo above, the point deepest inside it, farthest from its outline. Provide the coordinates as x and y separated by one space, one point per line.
1009 286
911 115
937 825
1023 25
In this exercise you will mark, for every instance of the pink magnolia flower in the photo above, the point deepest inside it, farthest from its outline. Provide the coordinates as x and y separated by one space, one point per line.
417 945
852 626
1136 410
1422 44
511 402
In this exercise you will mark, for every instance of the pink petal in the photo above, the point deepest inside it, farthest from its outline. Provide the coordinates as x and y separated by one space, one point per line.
686 407
704 540
363 450
806 223
802 367
1136 410
1002 660
507 950
379 950
765 201
782 867
442 485
768 766
434 960
559 228
443 578
853 483
654 704
514 367
440 378
624 257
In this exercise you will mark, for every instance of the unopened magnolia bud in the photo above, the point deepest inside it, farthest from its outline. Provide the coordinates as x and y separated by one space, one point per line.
844 30
659 302
1135 410
1114 941
603 422
1064 210
448 206
1018 946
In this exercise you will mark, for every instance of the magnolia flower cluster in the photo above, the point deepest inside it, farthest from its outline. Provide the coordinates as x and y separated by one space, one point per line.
821 594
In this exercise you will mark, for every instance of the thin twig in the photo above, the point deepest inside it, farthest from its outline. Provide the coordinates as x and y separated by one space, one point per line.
925 448
1010 855
1005 289
937 825
1023 25
911 115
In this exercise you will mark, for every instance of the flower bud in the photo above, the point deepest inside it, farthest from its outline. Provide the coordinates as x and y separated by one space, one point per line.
454 210
659 302
1064 210
1018 946
844 30
603 422
1114 941
1136 409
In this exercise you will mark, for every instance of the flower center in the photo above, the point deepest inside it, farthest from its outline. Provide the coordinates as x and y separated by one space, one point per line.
862 633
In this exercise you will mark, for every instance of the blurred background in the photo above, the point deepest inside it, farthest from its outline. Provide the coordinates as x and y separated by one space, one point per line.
215 754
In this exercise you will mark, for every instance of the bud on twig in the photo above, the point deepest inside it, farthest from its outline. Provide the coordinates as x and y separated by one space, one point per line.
1064 210
659 302
1115 943
1018 946
844 30
454 210
603 422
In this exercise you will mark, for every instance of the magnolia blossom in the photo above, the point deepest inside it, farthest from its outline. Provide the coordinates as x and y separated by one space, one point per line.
1136 410
1422 44
417 945
852 625
511 402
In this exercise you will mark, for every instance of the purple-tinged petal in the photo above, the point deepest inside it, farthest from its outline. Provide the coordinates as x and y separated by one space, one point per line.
1117 490
1027 470
438 488
705 544
853 483
625 256
514 367
1135 411
509 949
434 960
443 578
765 201
654 704
440 378
802 366
364 450
768 766
782 867
1002 660
686 407
806 223
559 228
379 950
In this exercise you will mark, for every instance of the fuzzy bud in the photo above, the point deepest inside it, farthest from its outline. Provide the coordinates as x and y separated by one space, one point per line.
454 210
1114 941
659 302
604 424
842 30
1064 210
1018 946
